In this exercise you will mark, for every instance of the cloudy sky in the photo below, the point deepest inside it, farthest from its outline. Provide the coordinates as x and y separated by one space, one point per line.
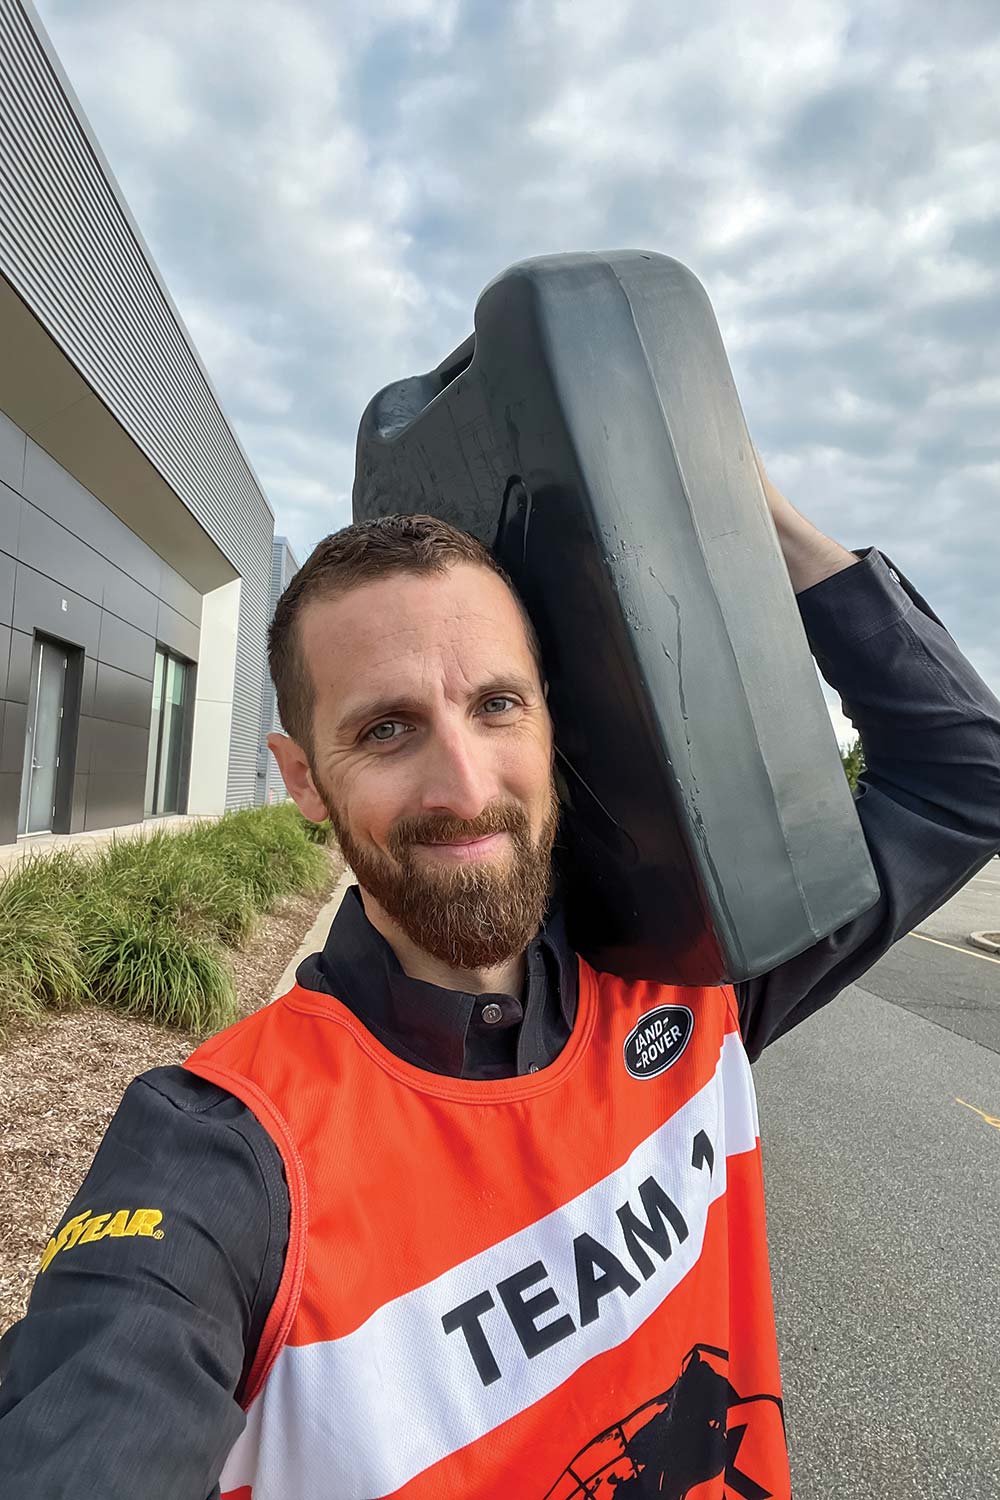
326 187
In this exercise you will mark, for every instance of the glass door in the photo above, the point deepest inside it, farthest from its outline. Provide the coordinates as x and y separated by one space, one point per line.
39 779
168 786
164 765
153 756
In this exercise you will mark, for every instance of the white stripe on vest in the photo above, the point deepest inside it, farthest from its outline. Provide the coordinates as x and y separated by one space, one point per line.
368 1412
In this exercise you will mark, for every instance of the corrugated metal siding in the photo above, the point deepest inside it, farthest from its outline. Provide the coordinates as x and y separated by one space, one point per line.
284 566
241 784
70 249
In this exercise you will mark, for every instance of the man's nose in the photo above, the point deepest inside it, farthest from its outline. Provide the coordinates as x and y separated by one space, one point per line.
457 776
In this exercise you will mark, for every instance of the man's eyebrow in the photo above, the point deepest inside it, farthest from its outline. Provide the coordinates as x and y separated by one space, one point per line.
373 710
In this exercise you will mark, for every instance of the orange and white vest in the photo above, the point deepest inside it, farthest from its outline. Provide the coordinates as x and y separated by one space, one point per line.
551 1286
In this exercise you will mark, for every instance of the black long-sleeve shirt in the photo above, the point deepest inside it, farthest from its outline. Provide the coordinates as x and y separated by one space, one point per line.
124 1376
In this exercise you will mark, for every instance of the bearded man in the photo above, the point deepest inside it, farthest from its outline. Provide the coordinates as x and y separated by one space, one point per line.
422 1232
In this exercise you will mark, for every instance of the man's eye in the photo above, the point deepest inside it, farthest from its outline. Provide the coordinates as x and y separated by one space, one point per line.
383 739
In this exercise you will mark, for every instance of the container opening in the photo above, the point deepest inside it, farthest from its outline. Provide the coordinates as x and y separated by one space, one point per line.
455 363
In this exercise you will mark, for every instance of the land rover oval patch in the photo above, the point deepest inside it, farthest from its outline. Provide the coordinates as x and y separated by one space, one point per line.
657 1040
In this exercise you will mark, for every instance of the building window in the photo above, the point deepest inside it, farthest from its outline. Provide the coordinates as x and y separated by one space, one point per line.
164 767
50 737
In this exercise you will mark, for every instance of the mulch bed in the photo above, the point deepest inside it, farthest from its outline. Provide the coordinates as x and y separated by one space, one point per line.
61 1081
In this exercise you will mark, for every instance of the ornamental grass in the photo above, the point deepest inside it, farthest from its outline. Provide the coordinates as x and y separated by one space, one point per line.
144 925
40 965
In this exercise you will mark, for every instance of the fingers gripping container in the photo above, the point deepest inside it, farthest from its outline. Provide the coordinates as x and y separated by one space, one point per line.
589 433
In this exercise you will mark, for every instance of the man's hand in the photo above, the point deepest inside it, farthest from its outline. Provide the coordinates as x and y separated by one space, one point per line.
809 555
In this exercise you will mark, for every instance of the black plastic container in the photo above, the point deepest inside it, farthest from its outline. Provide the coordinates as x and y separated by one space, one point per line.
589 432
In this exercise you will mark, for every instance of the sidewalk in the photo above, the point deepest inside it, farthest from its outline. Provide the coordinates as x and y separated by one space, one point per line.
316 936
86 843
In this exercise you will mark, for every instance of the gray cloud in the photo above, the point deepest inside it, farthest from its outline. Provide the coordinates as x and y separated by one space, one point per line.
327 188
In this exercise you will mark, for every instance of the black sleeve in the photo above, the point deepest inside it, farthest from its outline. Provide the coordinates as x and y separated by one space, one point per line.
119 1381
929 802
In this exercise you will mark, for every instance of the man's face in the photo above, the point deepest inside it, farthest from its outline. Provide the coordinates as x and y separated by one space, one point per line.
432 753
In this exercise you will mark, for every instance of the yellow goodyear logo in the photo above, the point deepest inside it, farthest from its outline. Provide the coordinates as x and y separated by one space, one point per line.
86 1227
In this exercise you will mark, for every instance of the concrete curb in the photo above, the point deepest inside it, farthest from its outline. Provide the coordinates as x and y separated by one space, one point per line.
98 838
988 940
316 936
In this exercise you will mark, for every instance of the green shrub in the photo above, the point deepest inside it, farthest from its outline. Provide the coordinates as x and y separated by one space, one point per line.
176 878
267 850
140 926
853 761
317 833
142 964
40 961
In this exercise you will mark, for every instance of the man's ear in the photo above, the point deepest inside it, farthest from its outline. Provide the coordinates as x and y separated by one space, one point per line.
296 775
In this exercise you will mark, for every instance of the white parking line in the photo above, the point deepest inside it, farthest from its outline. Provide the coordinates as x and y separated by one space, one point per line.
971 952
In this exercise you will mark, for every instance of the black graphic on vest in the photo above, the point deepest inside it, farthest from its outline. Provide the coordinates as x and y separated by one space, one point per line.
684 1437
658 1040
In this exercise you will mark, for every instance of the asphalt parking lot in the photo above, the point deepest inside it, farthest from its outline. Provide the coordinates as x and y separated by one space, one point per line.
880 1120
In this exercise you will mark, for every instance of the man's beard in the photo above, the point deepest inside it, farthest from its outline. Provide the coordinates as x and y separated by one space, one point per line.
469 914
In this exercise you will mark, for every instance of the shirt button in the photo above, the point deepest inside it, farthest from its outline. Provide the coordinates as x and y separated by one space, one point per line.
492 1014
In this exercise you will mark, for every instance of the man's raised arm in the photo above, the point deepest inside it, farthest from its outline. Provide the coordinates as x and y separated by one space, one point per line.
929 801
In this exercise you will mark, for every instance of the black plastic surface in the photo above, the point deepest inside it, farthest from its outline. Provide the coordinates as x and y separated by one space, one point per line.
590 433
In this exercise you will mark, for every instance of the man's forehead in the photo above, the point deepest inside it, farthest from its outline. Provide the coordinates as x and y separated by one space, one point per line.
463 592
404 621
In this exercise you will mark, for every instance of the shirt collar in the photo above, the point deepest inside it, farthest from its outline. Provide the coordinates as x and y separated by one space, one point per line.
437 1028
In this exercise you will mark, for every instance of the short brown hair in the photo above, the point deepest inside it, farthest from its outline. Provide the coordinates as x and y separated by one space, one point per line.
355 555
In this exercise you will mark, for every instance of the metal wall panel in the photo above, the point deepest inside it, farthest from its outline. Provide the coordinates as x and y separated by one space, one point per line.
116 622
178 593
52 608
114 800
52 489
7 571
129 600
176 632
12 442
10 518
78 812
10 791
126 648
13 718
71 250
271 788
50 549
119 749
19 667
121 698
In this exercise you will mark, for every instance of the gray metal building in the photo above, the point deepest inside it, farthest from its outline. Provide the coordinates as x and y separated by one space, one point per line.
135 540
270 787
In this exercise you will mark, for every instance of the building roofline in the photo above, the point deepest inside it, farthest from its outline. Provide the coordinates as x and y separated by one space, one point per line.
282 541
59 73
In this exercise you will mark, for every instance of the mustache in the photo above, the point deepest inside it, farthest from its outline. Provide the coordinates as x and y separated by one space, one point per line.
441 829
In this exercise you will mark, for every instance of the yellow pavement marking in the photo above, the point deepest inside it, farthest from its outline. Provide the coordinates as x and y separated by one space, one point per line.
970 952
990 1119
